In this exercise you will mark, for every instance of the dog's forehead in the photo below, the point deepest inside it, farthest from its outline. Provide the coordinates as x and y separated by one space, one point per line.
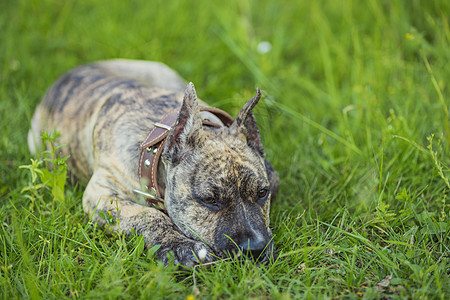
231 158
229 147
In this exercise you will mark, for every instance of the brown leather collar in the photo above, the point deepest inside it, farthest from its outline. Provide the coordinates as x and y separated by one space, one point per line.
153 147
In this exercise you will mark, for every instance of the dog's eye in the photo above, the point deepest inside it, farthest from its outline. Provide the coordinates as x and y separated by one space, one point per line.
263 194
209 202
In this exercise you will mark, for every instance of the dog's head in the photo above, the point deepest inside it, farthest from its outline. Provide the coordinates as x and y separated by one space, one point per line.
217 186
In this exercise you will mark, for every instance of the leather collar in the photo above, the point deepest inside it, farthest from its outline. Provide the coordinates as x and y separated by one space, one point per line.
153 146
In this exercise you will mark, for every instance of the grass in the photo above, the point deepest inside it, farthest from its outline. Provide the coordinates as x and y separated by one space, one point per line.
355 118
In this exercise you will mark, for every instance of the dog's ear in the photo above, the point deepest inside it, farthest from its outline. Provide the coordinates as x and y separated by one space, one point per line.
244 126
188 123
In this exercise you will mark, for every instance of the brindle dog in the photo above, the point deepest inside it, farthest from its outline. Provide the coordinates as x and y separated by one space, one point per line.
216 182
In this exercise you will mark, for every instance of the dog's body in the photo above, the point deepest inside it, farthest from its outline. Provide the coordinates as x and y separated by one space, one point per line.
216 182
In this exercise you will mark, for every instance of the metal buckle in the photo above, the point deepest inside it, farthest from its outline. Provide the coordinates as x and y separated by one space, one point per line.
154 197
163 126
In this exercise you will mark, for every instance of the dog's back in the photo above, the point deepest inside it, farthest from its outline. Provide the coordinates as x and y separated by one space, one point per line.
73 103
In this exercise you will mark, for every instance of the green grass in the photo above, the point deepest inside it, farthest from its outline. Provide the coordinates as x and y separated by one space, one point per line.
353 93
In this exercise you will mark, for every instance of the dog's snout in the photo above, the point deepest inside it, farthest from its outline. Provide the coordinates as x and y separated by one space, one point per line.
253 246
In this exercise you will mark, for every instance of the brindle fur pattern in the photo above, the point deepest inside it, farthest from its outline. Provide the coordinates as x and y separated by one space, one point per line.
212 177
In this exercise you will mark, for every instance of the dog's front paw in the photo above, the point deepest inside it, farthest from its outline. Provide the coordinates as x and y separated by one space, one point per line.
187 253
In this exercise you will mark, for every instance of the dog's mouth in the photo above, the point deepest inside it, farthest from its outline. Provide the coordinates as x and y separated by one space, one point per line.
264 256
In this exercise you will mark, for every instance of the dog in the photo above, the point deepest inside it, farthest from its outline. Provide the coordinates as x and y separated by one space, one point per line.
160 162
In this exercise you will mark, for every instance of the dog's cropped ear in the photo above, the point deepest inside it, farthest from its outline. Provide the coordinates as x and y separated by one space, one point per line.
188 123
244 126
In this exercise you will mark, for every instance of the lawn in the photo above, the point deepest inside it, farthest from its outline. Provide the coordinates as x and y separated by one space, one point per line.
354 117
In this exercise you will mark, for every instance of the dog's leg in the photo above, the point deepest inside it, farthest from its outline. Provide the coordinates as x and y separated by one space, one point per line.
154 225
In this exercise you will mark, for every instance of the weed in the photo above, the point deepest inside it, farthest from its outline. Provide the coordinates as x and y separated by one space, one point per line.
51 170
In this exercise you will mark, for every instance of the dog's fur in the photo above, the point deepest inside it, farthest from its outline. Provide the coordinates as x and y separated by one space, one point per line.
213 178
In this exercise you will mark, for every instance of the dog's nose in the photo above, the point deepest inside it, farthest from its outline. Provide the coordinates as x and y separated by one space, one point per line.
253 247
